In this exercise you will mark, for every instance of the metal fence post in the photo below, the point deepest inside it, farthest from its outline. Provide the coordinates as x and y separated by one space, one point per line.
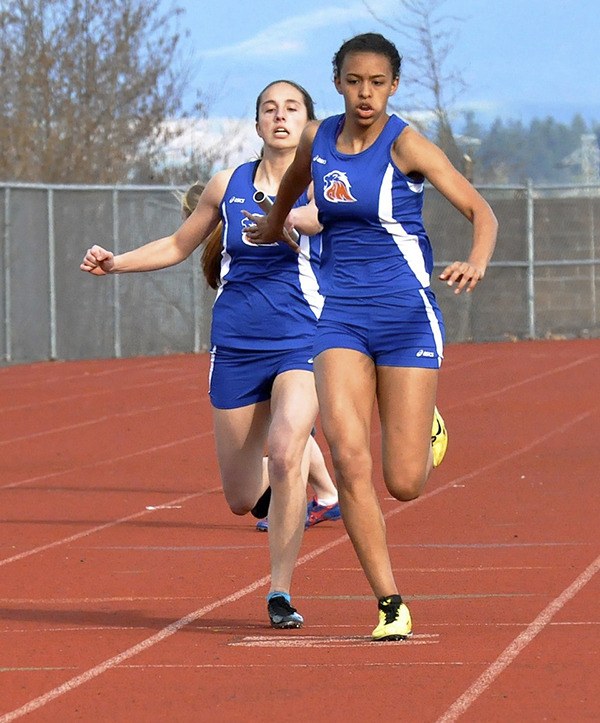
530 261
6 259
52 274
593 259
116 286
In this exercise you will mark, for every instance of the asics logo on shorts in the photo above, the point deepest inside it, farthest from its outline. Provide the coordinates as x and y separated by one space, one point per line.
423 352
336 188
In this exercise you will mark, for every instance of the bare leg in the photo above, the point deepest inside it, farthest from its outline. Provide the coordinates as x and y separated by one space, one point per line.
346 382
318 474
406 400
294 408
240 436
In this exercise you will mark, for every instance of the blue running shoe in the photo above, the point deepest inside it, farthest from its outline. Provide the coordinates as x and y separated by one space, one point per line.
316 513
263 525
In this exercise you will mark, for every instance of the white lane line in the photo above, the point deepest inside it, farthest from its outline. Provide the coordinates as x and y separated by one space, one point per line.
99 420
486 545
509 654
92 530
34 669
472 568
82 375
327 641
528 380
90 600
111 460
87 629
496 463
450 366
78 629
106 392
277 666
166 632
116 660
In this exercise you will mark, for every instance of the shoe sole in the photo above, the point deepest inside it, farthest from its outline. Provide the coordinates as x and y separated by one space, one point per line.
333 518
388 638
286 625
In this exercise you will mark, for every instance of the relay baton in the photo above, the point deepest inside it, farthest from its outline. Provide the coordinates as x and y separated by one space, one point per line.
290 237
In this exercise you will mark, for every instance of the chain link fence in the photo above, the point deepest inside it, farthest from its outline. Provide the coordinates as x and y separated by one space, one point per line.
542 281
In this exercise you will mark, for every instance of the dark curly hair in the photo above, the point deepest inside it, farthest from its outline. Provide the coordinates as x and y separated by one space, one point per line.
368 43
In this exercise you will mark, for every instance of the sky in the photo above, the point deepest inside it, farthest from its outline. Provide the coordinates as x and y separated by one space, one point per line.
520 59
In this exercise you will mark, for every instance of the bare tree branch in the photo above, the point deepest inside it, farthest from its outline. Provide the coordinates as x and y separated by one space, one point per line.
428 41
86 87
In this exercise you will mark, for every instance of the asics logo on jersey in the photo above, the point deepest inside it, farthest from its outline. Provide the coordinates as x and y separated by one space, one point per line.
318 159
236 199
336 188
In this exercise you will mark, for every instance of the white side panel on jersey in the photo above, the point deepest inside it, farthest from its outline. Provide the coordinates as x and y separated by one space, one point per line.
408 244
308 279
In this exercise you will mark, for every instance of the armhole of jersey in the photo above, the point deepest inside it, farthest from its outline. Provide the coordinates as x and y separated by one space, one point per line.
414 181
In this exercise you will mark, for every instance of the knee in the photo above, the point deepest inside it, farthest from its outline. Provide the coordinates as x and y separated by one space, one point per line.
284 463
352 465
238 500
239 509
406 485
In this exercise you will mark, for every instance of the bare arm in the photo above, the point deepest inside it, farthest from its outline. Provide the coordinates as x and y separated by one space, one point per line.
269 229
414 153
305 218
169 250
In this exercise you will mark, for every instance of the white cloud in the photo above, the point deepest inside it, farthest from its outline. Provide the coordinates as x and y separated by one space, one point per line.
291 35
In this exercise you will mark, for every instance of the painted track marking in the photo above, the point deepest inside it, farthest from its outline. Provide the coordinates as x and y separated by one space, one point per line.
328 641
112 460
174 627
97 528
509 654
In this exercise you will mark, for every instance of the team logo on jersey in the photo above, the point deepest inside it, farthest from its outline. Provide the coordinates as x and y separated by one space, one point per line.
247 223
337 188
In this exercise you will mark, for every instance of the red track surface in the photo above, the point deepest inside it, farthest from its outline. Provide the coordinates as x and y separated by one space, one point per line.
128 592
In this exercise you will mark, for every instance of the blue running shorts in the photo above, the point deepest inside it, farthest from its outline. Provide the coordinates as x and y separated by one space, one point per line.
405 330
239 377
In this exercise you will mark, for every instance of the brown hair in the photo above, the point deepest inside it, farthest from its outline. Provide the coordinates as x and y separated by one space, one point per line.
211 257
308 101
211 253
189 199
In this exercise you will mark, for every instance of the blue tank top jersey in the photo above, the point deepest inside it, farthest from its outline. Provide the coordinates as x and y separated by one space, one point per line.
374 241
268 297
